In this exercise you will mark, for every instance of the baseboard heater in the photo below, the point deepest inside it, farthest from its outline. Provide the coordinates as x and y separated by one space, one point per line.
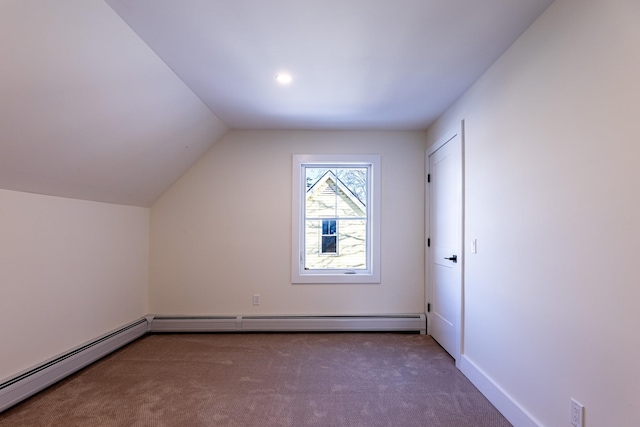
31 381
381 323
38 378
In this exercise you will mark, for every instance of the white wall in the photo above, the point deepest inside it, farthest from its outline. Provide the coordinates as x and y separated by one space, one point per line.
552 149
223 231
88 110
70 271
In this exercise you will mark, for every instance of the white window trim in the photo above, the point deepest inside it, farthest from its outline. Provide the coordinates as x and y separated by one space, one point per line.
298 273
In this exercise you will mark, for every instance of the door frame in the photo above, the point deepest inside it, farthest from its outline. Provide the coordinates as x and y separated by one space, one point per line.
448 136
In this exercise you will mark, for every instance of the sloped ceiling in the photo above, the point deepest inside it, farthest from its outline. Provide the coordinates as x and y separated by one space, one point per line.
113 101
87 110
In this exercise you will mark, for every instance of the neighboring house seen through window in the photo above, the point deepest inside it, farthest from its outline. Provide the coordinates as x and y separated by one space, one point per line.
336 225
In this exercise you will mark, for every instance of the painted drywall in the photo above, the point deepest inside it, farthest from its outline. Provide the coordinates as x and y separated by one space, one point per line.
70 271
551 146
88 110
223 232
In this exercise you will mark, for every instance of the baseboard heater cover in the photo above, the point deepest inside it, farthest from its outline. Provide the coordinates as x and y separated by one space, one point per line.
382 323
25 384
196 324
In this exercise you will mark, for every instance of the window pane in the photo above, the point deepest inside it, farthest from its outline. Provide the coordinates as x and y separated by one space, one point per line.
328 227
321 193
347 249
355 180
336 192
312 175
329 245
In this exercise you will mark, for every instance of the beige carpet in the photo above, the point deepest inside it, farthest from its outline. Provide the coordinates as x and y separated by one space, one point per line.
343 379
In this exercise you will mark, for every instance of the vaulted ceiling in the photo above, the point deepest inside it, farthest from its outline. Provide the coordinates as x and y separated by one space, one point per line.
113 101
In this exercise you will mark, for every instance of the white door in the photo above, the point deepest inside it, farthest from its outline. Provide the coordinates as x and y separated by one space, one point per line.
445 229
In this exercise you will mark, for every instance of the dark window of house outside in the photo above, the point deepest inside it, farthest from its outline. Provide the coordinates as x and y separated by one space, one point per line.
329 237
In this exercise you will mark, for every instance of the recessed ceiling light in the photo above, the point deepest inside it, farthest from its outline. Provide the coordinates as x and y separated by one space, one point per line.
283 78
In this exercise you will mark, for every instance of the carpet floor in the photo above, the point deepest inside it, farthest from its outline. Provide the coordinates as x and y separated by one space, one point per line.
298 379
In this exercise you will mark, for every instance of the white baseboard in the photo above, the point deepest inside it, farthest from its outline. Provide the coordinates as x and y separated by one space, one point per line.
382 323
508 407
19 387
31 381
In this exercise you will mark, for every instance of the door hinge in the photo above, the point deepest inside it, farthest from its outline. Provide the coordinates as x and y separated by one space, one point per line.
429 242
429 307
429 177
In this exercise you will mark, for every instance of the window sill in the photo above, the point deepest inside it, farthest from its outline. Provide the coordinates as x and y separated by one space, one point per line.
338 278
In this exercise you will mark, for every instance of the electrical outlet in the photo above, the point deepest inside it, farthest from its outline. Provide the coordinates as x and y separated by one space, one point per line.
256 299
577 414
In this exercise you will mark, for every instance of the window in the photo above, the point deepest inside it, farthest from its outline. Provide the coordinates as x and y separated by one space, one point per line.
336 227
329 243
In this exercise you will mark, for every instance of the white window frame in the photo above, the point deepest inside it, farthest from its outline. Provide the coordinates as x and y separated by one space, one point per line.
298 272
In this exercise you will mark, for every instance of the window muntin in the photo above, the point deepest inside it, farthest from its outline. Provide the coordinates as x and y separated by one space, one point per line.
336 219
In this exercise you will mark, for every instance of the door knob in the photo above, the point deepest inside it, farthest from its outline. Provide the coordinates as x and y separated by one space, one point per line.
453 258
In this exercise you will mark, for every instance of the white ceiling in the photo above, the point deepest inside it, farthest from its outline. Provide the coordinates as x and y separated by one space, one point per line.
364 64
95 109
